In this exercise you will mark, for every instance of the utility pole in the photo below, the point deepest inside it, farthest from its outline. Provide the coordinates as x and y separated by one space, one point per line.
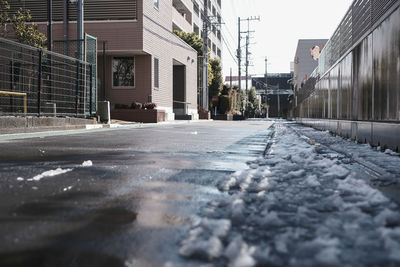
266 73
247 50
266 86
239 57
231 78
247 61
207 23
205 56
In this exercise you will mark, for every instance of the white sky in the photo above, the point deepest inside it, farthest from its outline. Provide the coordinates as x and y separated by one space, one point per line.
282 23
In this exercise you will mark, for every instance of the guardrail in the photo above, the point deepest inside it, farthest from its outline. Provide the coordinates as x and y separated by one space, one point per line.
7 93
50 84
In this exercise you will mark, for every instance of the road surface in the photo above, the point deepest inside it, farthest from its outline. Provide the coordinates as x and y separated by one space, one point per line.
249 193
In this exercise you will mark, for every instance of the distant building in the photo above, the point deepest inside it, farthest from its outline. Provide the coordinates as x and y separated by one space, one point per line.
276 92
235 81
304 64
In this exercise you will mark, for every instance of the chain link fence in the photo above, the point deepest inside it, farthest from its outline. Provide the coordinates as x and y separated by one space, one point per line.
36 82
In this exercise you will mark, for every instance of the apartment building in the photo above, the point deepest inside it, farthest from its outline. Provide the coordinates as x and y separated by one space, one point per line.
304 64
144 60
188 16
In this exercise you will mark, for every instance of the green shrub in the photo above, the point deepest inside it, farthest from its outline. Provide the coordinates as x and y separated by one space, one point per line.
224 104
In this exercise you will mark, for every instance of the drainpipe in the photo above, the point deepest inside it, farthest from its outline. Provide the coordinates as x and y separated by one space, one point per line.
49 26
66 19
80 30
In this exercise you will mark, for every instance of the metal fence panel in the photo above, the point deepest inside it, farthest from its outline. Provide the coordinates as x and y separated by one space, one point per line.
38 82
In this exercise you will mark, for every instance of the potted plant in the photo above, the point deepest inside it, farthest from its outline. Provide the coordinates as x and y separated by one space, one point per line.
203 114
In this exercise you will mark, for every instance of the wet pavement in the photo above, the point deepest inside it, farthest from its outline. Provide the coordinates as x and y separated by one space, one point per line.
115 197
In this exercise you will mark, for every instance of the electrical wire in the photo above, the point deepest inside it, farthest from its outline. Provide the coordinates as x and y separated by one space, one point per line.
229 50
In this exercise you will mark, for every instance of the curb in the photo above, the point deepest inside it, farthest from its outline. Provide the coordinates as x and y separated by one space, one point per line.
77 129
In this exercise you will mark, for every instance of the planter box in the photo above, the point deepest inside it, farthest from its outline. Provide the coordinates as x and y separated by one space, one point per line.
238 117
139 115
204 115
223 117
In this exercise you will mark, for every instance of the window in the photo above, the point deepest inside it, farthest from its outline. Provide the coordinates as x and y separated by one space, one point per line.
123 71
156 73
196 29
196 8
214 48
155 3
219 53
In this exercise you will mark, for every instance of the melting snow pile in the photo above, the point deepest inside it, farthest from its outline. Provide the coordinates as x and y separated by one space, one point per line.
55 172
50 173
87 163
297 206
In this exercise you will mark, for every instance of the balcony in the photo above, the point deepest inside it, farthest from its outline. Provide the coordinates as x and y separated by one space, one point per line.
185 7
180 22
182 15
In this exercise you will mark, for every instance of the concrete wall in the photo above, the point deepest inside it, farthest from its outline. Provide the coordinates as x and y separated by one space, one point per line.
160 42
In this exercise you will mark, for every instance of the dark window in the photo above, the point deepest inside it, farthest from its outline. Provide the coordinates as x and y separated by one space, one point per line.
196 8
123 70
196 29
156 73
155 3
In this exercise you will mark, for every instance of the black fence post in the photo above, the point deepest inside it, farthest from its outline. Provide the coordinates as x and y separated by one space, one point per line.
77 87
91 89
39 81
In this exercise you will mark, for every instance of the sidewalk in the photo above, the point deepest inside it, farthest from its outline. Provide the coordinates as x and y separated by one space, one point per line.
20 128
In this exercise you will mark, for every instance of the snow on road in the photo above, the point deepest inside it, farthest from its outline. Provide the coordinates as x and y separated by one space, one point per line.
300 205
56 172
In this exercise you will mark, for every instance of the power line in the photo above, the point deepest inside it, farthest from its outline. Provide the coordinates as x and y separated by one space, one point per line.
229 50
230 34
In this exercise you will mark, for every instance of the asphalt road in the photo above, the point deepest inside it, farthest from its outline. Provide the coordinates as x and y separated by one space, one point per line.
115 197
